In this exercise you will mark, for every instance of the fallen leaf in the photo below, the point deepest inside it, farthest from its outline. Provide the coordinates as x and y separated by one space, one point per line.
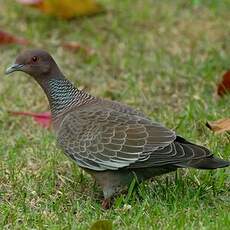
219 126
66 9
6 38
29 2
43 119
76 47
224 85
102 225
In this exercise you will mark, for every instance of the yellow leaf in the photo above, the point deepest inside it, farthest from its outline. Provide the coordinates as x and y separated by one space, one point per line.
69 8
102 225
219 126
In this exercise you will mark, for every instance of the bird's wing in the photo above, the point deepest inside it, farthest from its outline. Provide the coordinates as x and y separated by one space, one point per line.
101 139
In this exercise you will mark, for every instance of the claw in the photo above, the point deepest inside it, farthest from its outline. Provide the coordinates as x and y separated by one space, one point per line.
106 203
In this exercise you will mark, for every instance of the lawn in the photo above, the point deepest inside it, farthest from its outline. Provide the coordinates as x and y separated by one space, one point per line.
163 57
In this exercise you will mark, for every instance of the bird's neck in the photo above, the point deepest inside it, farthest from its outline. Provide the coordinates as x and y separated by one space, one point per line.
63 96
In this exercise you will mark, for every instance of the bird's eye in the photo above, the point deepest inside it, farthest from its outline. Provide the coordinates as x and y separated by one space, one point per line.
34 59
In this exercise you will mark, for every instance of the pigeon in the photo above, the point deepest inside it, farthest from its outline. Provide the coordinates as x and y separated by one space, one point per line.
111 141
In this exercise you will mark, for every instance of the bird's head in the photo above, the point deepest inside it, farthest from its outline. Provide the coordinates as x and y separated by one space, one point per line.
35 62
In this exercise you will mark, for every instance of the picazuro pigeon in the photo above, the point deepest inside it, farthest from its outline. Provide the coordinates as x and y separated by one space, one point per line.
109 140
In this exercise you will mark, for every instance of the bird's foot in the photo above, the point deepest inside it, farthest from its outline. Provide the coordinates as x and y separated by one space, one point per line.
106 203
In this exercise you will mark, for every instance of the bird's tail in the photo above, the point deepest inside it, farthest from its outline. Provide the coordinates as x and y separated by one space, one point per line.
210 162
203 158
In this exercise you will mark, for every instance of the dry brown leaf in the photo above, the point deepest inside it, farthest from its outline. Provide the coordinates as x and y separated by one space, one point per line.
76 47
219 126
66 8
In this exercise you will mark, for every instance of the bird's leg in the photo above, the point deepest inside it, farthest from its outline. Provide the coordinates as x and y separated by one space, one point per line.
106 203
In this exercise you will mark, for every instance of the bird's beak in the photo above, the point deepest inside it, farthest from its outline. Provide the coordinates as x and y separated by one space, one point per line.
13 68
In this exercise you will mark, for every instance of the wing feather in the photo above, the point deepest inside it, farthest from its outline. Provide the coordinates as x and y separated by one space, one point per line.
102 138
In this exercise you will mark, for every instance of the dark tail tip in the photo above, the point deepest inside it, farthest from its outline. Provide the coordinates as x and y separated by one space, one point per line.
209 163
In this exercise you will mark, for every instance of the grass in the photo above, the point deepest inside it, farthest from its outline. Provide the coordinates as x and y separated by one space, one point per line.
163 57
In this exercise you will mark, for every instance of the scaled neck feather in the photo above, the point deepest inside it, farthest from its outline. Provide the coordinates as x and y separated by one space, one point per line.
63 96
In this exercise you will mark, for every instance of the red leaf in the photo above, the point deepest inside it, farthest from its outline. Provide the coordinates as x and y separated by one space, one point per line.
76 47
6 38
43 119
224 85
